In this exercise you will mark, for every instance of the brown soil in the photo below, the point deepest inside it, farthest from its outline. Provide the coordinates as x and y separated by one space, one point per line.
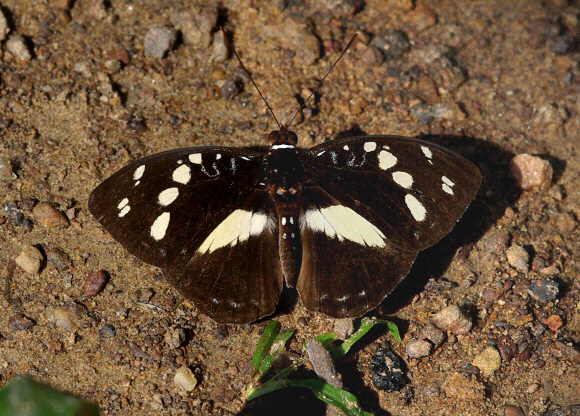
89 101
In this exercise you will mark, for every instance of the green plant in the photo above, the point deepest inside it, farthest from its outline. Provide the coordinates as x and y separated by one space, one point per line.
272 344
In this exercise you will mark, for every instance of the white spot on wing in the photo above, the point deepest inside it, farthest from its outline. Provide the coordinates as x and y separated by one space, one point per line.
137 183
447 188
182 174
416 208
370 146
167 196
403 179
138 172
124 211
428 153
386 160
345 147
218 156
195 158
447 181
338 221
343 299
321 153
123 202
159 227
236 228
283 146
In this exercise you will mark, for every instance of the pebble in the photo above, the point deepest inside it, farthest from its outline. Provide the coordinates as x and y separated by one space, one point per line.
229 89
497 242
185 379
531 172
392 43
532 388
108 331
452 320
196 26
343 328
17 47
507 348
512 410
463 386
544 290
296 36
417 348
518 257
554 322
550 115
6 173
4 29
432 334
426 113
95 283
219 48
566 223
175 337
21 322
488 361
48 216
386 371
60 317
159 40
372 56
30 259
561 45
322 363
568 351
58 257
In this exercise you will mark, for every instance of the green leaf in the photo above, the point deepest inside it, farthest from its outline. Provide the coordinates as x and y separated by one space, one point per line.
335 396
23 396
276 348
266 340
365 326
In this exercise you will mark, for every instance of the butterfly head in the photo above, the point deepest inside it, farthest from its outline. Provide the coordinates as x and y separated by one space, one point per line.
283 137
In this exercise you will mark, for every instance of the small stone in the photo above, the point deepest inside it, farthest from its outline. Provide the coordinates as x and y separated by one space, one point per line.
4 29
507 348
531 172
322 363
392 43
60 317
425 113
452 320
561 45
21 322
497 242
432 334
532 388
6 173
196 25
30 259
488 361
464 386
95 283
550 115
372 56
185 379
219 51
48 216
417 348
17 47
569 352
108 331
512 410
386 372
427 90
554 322
544 290
58 257
175 337
159 40
229 89
344 328
296 36
566 223
518 257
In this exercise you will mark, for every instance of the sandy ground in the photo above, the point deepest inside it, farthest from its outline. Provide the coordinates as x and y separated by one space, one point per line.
80 98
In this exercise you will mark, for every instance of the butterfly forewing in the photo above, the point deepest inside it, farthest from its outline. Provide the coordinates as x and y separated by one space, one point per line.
199 214
412 190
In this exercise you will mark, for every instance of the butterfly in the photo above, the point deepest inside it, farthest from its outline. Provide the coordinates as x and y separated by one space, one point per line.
342 221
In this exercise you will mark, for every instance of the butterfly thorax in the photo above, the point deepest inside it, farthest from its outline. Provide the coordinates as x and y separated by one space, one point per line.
284 176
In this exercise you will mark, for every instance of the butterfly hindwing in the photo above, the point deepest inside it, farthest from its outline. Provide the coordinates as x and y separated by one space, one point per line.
200 215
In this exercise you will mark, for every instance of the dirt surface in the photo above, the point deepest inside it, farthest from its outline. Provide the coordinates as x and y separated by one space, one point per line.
81 96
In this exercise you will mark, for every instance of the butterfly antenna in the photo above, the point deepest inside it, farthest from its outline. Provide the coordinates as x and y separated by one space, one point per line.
322 81
250 76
